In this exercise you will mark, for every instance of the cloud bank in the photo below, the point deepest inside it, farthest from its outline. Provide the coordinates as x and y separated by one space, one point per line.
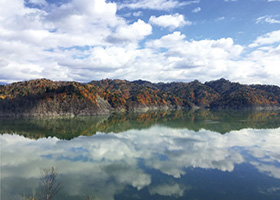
88 40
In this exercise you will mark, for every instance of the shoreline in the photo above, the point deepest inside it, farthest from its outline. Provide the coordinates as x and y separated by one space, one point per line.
138 110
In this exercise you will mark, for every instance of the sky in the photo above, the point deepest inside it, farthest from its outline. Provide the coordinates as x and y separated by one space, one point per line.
154 40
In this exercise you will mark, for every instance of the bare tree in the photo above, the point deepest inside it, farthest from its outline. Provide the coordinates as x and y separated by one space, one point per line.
51 186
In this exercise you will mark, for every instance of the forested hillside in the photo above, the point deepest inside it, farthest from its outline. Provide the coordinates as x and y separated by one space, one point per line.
43 97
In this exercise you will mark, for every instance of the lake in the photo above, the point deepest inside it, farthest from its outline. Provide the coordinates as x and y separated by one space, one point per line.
194 155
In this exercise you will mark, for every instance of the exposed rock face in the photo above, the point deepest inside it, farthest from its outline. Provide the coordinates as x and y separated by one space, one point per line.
43 97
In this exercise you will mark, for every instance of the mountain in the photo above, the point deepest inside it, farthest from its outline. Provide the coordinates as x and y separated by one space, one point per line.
192 94
235 95
43 97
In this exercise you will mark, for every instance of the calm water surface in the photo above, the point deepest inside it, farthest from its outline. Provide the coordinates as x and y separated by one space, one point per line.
165 155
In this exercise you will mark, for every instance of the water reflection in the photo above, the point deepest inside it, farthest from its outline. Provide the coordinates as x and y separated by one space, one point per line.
158 162
68 128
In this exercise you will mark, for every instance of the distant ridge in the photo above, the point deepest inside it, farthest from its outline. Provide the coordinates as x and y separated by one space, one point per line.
43 97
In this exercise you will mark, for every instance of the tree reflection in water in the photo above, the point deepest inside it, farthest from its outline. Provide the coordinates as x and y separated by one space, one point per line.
175 156
69 128
49 185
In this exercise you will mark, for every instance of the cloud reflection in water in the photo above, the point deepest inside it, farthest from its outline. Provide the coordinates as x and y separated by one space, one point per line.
105 164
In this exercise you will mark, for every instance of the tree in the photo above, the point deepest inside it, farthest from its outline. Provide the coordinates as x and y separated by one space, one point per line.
51 186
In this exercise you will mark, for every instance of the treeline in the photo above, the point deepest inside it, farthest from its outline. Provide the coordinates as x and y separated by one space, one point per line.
47 98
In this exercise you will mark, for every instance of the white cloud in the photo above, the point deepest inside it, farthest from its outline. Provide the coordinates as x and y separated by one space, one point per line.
168 41
168 190
211 59
266 62
134 32
267 19
137 14
156 4
190 58
196 10
87 16
38 2
272 0
263 62
85 40
220 19
267 39
169 21
46 34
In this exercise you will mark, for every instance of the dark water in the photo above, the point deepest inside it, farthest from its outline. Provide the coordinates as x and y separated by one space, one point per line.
165 155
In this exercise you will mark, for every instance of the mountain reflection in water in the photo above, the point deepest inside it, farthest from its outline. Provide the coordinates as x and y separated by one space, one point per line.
180 155
68 128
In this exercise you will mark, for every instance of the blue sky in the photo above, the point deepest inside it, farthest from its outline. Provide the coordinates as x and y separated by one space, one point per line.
154 40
